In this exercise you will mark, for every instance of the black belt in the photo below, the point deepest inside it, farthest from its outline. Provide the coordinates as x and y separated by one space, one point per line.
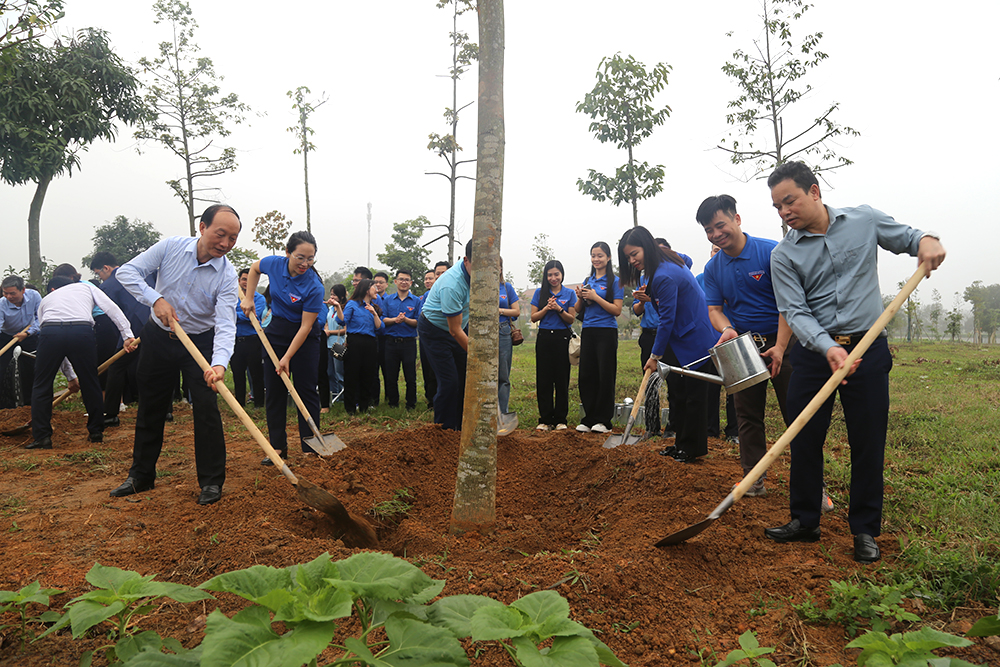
401 339
854 338
74 323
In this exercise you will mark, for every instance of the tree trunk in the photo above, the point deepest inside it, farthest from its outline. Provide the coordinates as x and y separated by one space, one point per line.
303 117
475 484
34 238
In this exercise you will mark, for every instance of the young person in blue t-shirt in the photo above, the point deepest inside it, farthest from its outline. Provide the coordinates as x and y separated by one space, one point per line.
600 297
296 299
554 308
361 317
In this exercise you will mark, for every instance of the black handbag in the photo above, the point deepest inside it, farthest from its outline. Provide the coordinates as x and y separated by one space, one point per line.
338 350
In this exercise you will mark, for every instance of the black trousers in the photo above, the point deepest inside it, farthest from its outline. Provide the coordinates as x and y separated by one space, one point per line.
430 380
25 368
304 368
712 415
376 383
107 342
689 421
247 357
120 374
450 362
552 375
750 405
865 399
78 343
598 371
360 372
400 352
161 355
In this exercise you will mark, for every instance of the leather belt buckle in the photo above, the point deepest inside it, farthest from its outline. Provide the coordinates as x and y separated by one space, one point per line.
842 340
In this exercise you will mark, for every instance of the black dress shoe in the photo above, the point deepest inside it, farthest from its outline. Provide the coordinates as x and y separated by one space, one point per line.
266 461
130 487
43 443
111 421
793 531
679 455
865 549
210 494
95 437
169 417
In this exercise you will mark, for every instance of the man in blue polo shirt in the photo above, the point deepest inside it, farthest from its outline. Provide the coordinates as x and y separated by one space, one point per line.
399 314
739 279
442 327
18 310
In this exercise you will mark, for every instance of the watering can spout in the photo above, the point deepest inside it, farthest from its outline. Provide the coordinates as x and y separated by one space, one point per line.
708 377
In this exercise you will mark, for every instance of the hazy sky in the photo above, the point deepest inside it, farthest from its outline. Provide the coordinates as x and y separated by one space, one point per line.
922 87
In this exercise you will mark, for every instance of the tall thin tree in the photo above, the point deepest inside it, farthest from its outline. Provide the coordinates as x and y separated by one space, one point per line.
302 132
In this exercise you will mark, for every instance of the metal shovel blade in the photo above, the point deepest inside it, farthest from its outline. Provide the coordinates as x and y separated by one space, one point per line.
19 430
689 532
506 423
326 444
622 439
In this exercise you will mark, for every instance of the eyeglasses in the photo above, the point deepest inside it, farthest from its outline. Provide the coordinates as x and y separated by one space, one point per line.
404 280
306 260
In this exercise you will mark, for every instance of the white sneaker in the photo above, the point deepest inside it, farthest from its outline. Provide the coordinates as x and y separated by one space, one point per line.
583 428
827 504
542 427
599 428
121 408
561 427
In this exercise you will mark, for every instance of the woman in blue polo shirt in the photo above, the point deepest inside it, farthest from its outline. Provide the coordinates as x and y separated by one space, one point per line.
296 299
508 315
553 307
600 297
683 325
361 317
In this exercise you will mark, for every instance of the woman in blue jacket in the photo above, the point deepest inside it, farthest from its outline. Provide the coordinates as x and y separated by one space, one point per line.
684 325
361 317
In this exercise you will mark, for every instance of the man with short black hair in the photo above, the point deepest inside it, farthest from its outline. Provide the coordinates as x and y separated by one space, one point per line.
360 273
18 309
826 287
441 267
399 314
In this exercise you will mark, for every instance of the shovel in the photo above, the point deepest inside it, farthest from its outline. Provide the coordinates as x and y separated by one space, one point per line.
66 394
13 341
353 530
324 445
626 439
802 419
506 422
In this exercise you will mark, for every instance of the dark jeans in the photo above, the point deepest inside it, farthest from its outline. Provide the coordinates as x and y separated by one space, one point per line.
247 357
78 343
751 404
449 361
552 375
598 371
360 372
25 368
865 399
303 367
430 380
400 352
161 355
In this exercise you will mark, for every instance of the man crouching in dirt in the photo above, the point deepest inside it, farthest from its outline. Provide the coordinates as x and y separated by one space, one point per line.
826 287
195 285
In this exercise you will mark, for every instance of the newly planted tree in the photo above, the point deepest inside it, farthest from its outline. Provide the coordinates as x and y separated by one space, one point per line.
54 102
621 106
463 52
771 93
302 132
189 111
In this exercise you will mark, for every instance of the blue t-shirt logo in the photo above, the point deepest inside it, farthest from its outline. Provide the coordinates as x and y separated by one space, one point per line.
757 275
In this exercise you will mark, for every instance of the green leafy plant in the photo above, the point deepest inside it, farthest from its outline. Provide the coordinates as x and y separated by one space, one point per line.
120 597
395 508
750 650
909 648
853 605
20 601
985 627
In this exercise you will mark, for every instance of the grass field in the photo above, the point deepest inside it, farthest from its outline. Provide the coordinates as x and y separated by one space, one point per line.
942 468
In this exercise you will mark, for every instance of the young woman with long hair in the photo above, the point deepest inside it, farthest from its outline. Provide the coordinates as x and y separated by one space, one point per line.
553 307
361 317
601 297
296 299
683 325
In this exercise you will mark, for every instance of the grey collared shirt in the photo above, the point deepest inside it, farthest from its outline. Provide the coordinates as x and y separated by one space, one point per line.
828 283
204 295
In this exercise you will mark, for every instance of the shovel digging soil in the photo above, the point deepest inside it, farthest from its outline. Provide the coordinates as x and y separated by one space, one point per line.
354 531
322 444
626 439
506 422
803 418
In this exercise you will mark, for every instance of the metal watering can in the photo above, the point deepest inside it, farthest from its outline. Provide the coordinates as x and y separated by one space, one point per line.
738 360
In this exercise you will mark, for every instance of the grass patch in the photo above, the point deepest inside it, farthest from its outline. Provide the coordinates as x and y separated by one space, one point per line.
10 504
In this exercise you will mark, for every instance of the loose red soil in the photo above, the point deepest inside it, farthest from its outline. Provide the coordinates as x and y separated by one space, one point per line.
570 516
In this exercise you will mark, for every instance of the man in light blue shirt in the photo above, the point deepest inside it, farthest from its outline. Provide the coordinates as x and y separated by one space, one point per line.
195 285
19 309
826 287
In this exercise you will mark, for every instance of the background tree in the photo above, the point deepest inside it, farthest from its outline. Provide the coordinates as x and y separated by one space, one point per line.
302 132
622 101
463 52
189 112
985 302
475 484
241 258
404 250
953 321
54 102
21 21
543 253
271 231
123 238
935 314
768 79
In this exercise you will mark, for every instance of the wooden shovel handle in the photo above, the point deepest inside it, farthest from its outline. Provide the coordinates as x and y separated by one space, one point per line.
117 355
641 395
13 341
831 384
235 405
288 382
